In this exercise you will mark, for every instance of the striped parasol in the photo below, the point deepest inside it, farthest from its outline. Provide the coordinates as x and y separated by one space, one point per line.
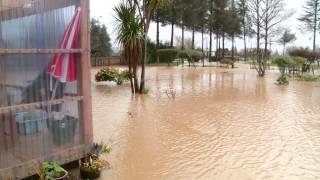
63 66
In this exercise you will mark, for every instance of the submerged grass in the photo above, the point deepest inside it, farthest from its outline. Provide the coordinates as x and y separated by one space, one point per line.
308 77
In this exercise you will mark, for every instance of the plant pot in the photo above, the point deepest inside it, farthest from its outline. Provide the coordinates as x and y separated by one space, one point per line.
63 130
89 174
60 178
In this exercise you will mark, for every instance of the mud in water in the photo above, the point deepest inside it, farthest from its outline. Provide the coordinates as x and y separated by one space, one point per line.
223 124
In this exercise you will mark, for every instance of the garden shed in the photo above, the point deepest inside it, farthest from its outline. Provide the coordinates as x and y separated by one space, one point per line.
45 95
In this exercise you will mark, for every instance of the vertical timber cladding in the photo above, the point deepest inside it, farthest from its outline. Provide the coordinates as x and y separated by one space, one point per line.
27 167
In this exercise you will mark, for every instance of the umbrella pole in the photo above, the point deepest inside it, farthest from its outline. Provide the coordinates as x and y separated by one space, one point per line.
53 95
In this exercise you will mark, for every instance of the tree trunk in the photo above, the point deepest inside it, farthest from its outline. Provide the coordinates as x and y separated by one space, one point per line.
182 38
192 37
202 41
223 41
232 48
260 68
245 39
217 45
315 30
266 41
172 33
210 43
158 41
144 58
219 49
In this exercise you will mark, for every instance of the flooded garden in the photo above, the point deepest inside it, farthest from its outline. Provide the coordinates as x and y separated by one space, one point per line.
209 123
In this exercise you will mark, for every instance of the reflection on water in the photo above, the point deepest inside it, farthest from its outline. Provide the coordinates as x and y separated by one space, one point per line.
223 124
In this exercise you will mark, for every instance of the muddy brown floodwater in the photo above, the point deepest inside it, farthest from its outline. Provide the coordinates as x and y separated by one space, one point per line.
223 124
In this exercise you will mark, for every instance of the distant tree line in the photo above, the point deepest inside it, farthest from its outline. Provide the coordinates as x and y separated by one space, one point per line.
225 20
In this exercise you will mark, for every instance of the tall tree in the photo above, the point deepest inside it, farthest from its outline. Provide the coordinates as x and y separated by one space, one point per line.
310 20
255 8
287 37
100 40
246 23
272 15
220 13
233 28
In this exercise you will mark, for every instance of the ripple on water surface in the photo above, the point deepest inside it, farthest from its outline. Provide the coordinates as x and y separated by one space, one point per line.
223 124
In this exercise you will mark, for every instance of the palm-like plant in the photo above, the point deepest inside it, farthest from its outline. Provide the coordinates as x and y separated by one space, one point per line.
130 32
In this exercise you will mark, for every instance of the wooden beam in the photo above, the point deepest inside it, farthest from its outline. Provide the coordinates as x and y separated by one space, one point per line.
39 51
85 72
23 107
33 8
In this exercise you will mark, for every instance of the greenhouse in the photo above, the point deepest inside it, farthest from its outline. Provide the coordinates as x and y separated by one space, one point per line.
45 102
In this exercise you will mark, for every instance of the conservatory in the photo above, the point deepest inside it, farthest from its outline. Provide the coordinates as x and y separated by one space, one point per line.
45 96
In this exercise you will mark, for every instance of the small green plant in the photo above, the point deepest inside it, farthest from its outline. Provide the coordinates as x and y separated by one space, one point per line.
50 170
91 165
283 80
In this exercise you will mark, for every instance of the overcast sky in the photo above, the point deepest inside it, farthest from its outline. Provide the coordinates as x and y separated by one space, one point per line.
102 9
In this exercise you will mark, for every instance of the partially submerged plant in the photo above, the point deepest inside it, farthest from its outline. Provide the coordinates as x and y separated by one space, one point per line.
51 170
91 165
112 74
283 80
171 93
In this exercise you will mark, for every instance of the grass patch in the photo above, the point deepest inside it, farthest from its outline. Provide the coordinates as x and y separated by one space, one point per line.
308 77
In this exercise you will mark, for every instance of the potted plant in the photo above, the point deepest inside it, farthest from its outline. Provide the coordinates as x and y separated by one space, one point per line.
91 165
51 171
62 128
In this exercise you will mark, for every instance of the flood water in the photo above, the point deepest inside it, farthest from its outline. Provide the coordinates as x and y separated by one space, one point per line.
223 124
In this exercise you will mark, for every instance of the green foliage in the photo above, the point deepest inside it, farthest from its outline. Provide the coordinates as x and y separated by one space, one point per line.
191 55
215 58
282 62
51 170
112 74
308 77
283 80
167 55
152 52
100 40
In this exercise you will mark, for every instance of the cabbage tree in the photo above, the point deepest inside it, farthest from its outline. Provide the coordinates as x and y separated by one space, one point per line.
130 35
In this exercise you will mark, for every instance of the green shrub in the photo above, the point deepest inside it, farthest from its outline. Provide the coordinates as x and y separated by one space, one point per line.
191 55
112 74
282 63
299 61
167 55
197 55
107 74
215 59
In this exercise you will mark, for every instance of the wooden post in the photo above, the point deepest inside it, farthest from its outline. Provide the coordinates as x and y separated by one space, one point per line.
85 72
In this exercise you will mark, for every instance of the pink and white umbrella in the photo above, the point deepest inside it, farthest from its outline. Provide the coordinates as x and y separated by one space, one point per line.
64 65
